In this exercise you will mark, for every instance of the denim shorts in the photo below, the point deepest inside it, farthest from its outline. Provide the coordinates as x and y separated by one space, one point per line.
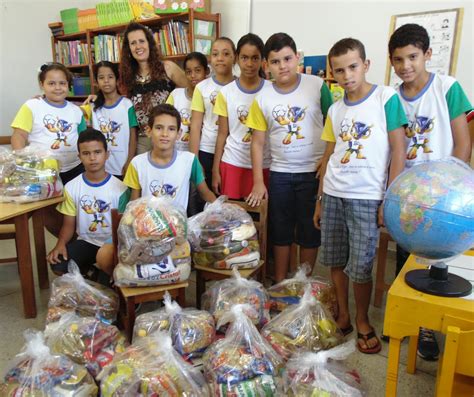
292 198
349 235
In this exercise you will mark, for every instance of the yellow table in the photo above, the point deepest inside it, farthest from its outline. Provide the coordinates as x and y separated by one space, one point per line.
19 213
407 310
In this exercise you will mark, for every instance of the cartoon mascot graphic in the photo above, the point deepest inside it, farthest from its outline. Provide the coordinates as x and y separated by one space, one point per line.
242 114
352 133
110 129
59 127
418 130
289 117
97 208
186 121
158 189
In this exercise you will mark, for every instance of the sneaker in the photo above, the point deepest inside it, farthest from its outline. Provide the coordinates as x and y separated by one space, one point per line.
427 345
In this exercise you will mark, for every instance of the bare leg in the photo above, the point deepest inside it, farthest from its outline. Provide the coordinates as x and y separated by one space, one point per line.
105 258
308 255
282 260
341 283
362 294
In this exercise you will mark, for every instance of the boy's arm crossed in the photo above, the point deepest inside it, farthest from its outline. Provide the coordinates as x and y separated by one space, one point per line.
259 191
65 235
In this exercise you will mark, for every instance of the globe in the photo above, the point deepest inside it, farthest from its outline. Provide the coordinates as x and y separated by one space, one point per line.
429 210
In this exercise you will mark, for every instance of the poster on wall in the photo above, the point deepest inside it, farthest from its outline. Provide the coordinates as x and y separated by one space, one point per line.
444 28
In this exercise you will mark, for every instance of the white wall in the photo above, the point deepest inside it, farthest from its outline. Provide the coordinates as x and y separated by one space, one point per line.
315 26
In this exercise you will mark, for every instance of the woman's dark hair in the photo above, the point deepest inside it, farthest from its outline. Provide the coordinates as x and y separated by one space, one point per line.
90 135
164 108
409 34
100 100
201 58
46 67
256 41
128 64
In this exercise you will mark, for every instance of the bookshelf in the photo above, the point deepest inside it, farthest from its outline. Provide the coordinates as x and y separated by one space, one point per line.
175 34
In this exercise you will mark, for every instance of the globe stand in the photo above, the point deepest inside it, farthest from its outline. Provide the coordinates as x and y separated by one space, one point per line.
437 281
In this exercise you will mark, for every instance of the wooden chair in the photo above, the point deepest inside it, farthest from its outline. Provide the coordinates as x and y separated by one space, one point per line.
130 296
380 285
204 273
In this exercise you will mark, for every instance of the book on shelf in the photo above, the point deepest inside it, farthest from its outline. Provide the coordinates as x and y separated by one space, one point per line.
204 28
203 46
142 9
87 19
173 38
107 48
72 52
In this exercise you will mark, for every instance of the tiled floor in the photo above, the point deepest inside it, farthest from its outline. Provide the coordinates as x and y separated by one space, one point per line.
372 368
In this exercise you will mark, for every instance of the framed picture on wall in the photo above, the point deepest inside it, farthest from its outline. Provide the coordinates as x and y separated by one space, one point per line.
444 28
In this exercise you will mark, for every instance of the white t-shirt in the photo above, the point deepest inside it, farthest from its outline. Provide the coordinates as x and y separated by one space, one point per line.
53 127
233 102
170 180
179 99
204 99
294 122
115 122
91 204
358 167
429 115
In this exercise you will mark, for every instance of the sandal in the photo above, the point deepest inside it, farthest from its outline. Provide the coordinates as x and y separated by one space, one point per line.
365 337
346 331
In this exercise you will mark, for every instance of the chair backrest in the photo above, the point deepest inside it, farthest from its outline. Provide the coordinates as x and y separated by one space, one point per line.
459 344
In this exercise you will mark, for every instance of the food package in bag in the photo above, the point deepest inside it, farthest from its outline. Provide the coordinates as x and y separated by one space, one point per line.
191 330
307 326
72 293
36 372
151 367
289 291
149 229
243 360
321 374
85 340
224 294
224 236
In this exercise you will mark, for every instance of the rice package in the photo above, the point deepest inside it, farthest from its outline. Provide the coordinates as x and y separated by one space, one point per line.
29 174
289 291
191 330
224 236
321 374
36 372
72 293
224 294
243 363
149 230
85 340
150 367
307 326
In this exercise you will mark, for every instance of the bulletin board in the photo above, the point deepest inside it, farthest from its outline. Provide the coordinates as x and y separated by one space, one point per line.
444 28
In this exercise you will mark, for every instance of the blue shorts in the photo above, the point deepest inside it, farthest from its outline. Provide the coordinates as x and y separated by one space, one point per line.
292 198
349 235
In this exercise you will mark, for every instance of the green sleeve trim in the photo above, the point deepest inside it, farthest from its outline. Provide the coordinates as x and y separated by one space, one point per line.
394 113
132 117
82 125
197 174
123 200
326 99
457 101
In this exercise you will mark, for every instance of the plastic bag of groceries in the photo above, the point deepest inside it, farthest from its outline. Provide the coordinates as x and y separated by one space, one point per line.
173 268
243 360
149 229
191 330
289 291
224 294
321 374
72 293
29 174
224 236
85 340
37 372
151 367
307 326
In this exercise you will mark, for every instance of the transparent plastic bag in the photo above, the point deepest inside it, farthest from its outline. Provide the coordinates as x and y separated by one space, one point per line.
289 291
29 174
191 330
307 326
149 230
36 372
224 236
174 268
224 294
320 374
85 340
71 292
151 367
243 359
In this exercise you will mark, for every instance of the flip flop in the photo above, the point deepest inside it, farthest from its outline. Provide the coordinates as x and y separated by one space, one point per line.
366 337
346 331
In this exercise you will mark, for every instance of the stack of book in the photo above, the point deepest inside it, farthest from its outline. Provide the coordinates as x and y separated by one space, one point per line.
69 19
114 13
107 48
173 38
72 53
87 19
57 28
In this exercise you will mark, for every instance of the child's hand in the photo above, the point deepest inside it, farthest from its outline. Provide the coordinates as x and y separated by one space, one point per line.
53 256
380 222
89 99
259 193
216 182
317 215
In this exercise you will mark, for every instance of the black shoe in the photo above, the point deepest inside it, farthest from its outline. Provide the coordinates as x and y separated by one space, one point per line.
427 345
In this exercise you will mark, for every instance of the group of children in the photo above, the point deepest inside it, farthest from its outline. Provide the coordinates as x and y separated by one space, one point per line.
324 167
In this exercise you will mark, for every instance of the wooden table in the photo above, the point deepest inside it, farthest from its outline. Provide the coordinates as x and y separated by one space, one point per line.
408 309
20 213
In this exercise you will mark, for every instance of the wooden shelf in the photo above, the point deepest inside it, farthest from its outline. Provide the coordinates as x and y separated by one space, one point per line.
84 65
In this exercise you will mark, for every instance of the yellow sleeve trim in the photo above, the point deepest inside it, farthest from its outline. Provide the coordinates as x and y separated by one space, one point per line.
131 177
87 111
23 119
256 119
170 99
67 207
328 131
220 108
197 102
